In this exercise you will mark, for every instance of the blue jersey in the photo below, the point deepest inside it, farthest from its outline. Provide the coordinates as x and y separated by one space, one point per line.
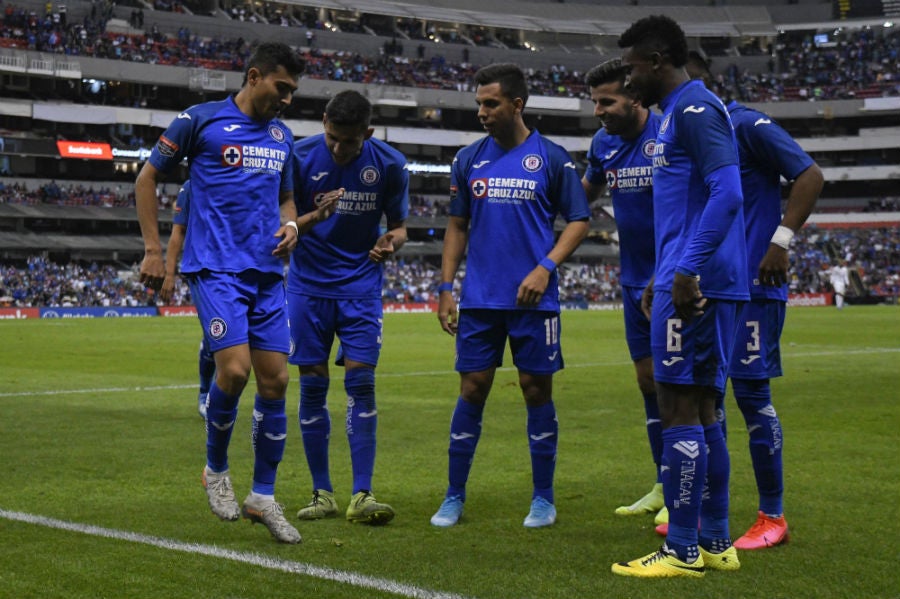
512 198
182 206
698 230
625 166
332 259
767 153
238 166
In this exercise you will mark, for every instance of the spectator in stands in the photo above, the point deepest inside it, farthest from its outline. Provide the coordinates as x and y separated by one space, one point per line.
334 290
233 267
510 289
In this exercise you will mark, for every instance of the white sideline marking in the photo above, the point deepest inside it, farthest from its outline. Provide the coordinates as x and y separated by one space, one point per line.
813 354
244 557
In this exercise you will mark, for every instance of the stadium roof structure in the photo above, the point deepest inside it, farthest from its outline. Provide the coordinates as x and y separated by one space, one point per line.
697 21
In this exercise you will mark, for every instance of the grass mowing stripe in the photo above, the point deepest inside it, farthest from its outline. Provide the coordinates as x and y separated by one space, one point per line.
862 351
244 557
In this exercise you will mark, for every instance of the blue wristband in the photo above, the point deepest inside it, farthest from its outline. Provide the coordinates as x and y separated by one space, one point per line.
547 263
445 287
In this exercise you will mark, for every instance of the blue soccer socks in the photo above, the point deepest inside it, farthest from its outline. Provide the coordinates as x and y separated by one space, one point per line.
654 430
465 430
268 433
714 533
684 472
543 437
362 422
754 398
315 428
220 416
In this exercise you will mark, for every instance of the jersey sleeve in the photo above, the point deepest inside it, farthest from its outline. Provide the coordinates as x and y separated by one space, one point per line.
175 142
396 193
594 173
773 146
182 205
570 194
459 188
705 131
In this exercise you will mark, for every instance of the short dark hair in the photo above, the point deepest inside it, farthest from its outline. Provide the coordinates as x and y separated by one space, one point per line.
269 56
508 75
349 108
606 72
657 33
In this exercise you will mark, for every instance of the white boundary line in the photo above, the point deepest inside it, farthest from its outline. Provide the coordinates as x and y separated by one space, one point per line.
244 557
100 390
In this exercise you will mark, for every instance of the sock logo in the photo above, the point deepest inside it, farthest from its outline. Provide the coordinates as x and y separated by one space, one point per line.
541 436
274 437
312 420
461 436
769 411
367 414
689 448
222 427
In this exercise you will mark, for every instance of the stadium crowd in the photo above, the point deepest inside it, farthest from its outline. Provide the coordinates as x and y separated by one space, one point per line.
855 63
874 254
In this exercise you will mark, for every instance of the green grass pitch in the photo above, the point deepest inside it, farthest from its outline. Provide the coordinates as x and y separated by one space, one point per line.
98 427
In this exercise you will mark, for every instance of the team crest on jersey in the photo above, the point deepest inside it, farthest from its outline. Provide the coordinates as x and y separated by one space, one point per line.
611 179
647 149
276 133
217 328
665 123
369 175
532 163
231 155
479 188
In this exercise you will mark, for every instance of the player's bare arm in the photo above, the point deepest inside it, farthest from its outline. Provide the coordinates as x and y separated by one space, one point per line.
153 271
773 268
455 239
389 244
324 209
533 286
289 230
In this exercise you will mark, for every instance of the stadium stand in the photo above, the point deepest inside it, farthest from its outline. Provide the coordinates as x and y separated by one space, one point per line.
108 75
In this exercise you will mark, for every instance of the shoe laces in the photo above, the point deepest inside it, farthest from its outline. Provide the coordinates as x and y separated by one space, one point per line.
221 486
662 554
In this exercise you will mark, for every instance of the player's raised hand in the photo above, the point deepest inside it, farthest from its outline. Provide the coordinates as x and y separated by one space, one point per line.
327 204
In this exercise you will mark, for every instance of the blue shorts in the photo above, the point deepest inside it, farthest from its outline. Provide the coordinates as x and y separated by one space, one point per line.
243 307
757 343
637 327
316 320
533 340
696 353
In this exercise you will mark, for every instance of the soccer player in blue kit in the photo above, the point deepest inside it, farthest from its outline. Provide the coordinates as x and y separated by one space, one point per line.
242 224
767 154
206 363
506 191
699 285
334 288
620 159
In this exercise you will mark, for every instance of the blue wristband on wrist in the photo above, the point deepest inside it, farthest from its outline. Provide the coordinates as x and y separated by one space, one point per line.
549 264
445 287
